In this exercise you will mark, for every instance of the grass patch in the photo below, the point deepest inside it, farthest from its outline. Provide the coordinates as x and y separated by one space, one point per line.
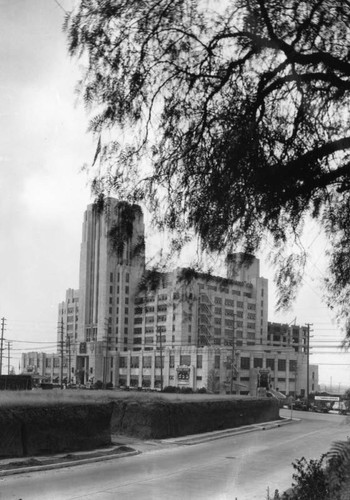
38 397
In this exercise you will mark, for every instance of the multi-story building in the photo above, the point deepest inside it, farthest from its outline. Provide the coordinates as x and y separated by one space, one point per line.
45 367
131 326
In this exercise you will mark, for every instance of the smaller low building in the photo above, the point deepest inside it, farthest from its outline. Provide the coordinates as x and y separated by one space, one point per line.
44 367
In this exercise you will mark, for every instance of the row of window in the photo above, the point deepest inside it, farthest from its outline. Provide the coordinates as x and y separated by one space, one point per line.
185 360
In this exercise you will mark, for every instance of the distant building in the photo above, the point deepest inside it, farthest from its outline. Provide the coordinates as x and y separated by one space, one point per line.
45 367
125 318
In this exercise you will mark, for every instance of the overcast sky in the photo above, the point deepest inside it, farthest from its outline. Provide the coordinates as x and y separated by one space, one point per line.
43 144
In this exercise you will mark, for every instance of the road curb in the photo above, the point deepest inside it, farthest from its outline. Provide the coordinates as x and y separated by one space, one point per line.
62 465
212 436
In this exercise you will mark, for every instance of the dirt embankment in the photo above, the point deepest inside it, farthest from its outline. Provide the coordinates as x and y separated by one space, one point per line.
162 419
40 427
32 431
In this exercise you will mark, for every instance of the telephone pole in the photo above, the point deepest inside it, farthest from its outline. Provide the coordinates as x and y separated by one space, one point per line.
2 342
69 358
233 353
161 360
61 344
8 357
308 361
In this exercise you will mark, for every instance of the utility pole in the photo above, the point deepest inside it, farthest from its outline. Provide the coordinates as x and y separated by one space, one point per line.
61 342
308 361
8 357
69 358
233 353
2 342
159 334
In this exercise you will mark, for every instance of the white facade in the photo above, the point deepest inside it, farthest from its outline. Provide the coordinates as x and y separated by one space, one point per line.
123 317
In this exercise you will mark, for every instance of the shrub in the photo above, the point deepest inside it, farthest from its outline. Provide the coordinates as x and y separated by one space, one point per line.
202 390
98 384
170 389
186 390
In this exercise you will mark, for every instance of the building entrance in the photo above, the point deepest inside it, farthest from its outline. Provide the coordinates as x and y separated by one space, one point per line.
82 370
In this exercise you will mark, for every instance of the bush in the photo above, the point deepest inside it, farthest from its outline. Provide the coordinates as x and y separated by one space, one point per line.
98 384
170 389
186 390
311 482
202 390
109 385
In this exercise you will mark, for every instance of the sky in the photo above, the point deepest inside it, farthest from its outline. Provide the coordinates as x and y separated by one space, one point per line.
43 194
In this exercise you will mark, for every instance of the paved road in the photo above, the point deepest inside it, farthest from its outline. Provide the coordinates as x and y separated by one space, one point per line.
240 467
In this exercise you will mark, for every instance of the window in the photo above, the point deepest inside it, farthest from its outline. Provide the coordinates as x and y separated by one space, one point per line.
149 329
138 310
282 365
218 300
189 339
127 290
217 321
217 362
161 318
127 277
218 310
110 289
185 359
122 362
111 277
229 322
162 307
251 316
163 296
48 363
229 312
199 360
149 309
229 302
293 366
252 307
245 363
148 340
251 325
149 319
217 331
258 362
56 362
158 360
270 363
134 362
147 362
171 361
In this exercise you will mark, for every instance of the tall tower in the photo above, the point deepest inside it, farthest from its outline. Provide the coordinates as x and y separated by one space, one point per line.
112 261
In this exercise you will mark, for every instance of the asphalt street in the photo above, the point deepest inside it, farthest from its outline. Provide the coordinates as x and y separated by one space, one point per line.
239 467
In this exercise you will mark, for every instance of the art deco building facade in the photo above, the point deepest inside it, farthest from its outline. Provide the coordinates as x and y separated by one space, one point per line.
127 325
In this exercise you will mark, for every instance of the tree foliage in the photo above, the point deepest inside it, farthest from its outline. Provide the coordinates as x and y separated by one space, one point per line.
228 119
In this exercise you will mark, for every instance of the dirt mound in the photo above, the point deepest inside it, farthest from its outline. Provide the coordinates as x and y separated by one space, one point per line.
161 419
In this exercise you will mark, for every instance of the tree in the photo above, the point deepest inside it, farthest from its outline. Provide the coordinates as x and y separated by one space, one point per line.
229 124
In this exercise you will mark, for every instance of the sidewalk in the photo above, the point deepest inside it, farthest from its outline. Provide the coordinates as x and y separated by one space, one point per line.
124 446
